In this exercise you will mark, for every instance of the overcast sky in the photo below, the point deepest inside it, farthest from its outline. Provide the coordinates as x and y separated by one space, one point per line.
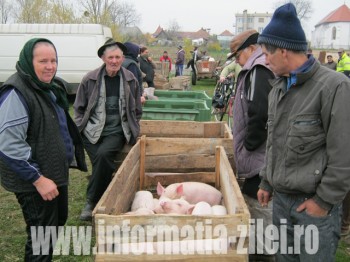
218 15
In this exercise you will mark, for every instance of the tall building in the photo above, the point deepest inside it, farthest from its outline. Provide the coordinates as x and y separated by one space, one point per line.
257 21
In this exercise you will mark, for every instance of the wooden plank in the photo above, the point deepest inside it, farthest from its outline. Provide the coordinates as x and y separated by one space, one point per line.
162 128
172 146
108 198
165 179
142 160
217 167
213 130
181 163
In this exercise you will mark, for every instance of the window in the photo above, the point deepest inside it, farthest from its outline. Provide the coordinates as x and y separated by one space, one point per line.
334 33
250 20
261 20
260 29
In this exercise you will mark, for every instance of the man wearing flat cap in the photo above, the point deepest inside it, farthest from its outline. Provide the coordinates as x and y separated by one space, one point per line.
107 111
249 118
307 167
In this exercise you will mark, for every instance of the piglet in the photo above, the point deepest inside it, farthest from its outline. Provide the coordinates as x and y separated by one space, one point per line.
175 206
201 209
193 192
157 208
219 210
142 199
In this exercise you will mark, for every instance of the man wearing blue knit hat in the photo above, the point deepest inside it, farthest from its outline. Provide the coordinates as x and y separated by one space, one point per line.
307 166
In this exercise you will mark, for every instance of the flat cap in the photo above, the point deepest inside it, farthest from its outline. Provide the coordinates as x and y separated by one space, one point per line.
243 40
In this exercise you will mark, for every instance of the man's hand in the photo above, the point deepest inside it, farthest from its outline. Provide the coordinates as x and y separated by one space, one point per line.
222 79
46 188
263 197
143 100
312 208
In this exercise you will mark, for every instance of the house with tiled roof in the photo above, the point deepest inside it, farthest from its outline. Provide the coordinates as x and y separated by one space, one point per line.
224 38
333 31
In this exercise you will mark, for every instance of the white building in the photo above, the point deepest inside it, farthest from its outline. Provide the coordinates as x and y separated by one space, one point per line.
257 21
333 31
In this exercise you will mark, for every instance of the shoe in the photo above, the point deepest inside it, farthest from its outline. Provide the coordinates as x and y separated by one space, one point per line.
86 214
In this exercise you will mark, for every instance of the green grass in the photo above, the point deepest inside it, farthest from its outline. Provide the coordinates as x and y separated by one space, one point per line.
12 226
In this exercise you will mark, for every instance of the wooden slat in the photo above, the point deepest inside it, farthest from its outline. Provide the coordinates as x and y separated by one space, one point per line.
165 179
108 198
142 160
173 146
217 167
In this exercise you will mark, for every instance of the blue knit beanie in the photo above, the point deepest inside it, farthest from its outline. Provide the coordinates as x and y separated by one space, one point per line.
284 30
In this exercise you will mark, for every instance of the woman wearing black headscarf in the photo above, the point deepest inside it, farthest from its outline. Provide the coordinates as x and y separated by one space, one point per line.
39 142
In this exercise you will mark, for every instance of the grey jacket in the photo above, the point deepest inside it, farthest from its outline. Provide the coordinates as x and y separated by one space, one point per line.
308 144
88 93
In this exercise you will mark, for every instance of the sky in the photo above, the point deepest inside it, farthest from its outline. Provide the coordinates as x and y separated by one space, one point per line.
218 15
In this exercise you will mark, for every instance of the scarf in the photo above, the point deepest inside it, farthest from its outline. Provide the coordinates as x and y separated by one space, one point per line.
26 65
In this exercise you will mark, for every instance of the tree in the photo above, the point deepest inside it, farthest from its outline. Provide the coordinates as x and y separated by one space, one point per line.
303 7
173 28
5 10
124 14
32 11
97 11
61 13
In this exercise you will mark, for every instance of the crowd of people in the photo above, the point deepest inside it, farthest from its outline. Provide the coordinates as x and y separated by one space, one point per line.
291 117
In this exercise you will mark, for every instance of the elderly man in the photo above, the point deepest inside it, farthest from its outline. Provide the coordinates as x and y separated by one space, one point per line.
107 111
307 165
249 118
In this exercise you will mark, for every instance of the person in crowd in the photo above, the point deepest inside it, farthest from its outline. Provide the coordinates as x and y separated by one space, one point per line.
307 166
330 63
166 58
107 111
195 57
343 65
250 117
147 66
309 51
180 60
39 142
231 70
131 63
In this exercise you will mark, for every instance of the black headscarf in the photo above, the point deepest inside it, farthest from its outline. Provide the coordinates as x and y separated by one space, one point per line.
26 64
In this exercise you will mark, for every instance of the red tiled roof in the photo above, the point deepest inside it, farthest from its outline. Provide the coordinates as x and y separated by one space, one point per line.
201 33
226 33
342 14
158 31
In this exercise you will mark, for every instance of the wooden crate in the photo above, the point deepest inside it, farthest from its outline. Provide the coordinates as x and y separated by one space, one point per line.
170 160
218 132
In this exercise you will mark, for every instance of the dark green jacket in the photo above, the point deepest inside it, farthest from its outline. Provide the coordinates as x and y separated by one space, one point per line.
44 138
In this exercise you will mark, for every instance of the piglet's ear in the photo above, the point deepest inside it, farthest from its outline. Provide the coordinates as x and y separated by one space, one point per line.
180 190
190 210
160 189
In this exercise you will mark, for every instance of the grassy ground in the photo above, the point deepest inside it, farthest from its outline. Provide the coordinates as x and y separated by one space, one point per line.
12 226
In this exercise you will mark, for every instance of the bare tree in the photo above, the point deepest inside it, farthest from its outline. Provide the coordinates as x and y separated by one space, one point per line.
303 7
124 14
61 13
173 28
32 11
5 11
97 11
